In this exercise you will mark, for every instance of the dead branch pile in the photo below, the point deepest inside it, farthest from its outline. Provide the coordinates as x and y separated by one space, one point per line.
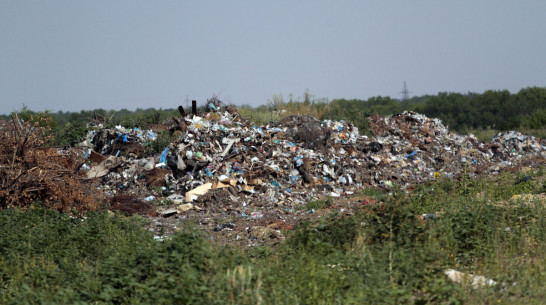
30 171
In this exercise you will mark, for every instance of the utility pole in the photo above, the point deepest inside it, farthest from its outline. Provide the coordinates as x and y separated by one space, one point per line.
405 92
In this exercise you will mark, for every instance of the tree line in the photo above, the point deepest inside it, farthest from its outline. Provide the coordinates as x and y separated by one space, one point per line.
497 110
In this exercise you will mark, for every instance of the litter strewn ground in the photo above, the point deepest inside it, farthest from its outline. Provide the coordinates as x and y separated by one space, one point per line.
222 167
247 183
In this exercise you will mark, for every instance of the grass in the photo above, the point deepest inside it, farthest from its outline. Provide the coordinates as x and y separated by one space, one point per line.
485 135
384 254
537 132
318 204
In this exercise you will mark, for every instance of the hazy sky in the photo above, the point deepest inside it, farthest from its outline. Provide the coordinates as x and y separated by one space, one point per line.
75 55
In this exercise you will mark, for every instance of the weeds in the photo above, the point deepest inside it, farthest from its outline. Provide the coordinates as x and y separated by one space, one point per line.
164 139
318 204
385 254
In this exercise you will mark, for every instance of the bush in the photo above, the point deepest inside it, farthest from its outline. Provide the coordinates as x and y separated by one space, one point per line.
383 253
33 171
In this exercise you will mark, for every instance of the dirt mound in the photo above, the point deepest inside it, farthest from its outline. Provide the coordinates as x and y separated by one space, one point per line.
131 205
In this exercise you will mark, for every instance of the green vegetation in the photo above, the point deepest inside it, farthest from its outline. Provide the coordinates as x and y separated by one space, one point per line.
164 138
491 111
496 109
383 253
69 128
318 204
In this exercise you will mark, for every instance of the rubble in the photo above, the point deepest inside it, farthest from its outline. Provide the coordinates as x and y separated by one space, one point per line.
221 163
288 160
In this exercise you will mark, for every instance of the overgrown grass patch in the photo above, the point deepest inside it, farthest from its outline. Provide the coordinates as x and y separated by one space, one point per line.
384 254
318 203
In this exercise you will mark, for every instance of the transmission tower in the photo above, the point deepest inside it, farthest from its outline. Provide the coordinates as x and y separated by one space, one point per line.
405 92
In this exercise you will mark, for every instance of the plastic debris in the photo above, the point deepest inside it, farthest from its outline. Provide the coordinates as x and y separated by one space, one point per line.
475 281
225 164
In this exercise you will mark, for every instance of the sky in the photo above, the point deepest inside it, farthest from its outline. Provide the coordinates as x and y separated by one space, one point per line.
84 55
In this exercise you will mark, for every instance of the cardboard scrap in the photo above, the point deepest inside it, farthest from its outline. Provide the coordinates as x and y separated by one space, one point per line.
205 188
198 191
95 157
248 188
103 168
220 185
186 207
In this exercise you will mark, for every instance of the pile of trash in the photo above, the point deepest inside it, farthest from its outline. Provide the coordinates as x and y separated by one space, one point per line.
415 149
107 141
222 162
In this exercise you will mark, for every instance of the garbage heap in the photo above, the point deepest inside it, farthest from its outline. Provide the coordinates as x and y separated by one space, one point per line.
220 160
118 140
415 149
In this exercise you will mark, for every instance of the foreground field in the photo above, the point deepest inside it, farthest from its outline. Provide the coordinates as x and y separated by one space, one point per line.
384 252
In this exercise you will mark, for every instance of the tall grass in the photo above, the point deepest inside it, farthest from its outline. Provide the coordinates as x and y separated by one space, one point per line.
277 108
384 254
485 135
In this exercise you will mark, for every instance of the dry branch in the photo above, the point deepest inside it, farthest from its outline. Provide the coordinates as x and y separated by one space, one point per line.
32 171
